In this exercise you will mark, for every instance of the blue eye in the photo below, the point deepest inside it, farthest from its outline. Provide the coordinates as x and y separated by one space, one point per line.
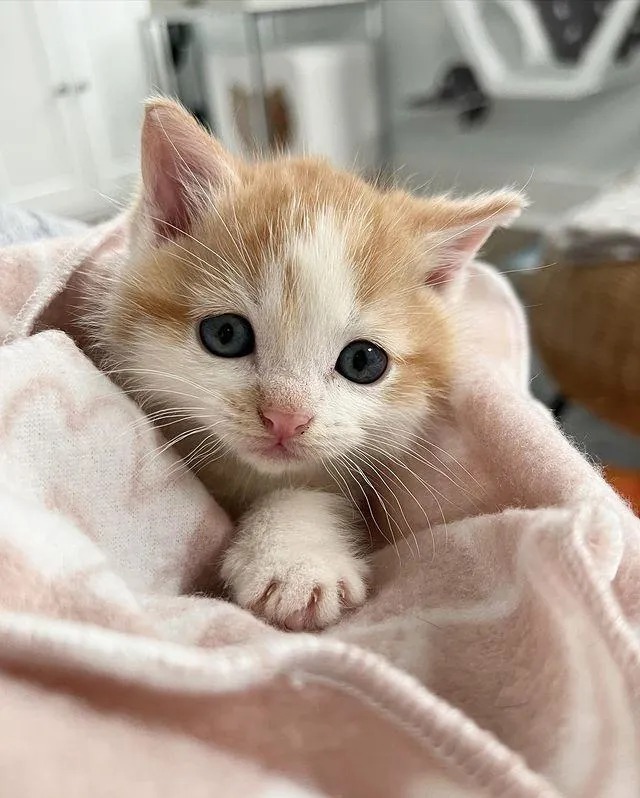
362 362
227 335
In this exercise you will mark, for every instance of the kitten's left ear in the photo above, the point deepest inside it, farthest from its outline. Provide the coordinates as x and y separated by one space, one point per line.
454 230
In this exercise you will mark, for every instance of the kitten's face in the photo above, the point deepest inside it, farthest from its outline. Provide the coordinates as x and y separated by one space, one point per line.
292 318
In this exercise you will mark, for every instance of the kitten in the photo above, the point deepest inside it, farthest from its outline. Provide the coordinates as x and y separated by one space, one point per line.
284 316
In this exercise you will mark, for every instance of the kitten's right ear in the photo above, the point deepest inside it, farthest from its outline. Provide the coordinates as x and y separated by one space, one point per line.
184 169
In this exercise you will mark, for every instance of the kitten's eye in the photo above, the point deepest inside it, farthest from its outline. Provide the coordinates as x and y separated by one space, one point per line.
228 335
362 362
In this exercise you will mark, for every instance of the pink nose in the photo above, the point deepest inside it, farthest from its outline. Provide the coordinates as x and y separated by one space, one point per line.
285 424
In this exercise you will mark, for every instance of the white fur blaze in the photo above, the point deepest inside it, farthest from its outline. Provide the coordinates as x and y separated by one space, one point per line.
321 254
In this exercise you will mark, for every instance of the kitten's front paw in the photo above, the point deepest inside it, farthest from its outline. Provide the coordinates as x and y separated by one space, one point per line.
299 593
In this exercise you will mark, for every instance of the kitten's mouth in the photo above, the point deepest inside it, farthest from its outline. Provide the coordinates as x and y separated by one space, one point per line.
279 452
275 453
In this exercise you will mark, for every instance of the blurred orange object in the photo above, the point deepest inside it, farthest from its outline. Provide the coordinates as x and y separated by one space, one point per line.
627 483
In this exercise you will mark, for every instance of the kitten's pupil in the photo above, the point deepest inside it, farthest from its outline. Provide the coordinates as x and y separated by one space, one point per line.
360 360
225 334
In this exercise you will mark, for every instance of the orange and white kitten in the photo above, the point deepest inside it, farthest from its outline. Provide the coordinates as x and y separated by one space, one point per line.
285 316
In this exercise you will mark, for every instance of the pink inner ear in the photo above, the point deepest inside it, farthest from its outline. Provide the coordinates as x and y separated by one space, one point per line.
165 192
454 230
181 167
455 250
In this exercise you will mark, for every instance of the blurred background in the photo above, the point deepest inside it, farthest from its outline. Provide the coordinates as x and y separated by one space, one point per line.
541 95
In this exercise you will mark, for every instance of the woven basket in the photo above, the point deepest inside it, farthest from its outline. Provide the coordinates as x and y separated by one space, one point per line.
585 324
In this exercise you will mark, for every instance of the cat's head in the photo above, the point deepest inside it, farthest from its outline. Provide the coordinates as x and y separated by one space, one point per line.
292 310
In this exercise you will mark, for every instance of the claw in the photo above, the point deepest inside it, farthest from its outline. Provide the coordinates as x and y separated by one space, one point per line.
269 591
346 599
258 605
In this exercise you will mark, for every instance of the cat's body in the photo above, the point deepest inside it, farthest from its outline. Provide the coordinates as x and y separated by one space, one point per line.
289 321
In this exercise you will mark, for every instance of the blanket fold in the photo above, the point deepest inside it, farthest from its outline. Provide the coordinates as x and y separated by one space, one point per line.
497 654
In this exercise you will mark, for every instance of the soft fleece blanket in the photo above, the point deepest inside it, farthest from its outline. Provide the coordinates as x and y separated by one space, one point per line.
502 660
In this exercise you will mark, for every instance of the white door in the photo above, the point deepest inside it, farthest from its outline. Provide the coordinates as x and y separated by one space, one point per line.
41 164
110 71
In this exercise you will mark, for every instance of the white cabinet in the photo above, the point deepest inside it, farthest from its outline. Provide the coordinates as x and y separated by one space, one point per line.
72 83
110 59
38 156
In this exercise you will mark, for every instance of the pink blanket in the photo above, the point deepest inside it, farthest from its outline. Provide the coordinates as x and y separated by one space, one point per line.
496 656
